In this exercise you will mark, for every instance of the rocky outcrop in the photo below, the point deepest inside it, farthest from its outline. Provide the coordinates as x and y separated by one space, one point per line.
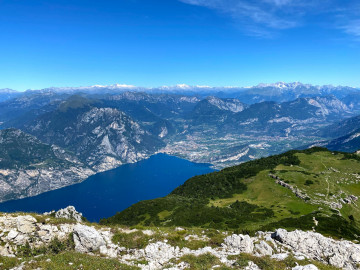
22 183
36 167
67 213
239 243
17 230
342 254
298 193
87 239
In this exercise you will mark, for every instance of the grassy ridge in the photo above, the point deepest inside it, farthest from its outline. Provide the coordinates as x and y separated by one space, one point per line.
244 198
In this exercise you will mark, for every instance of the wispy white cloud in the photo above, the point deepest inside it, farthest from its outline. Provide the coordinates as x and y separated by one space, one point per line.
352 28
260 18
266 17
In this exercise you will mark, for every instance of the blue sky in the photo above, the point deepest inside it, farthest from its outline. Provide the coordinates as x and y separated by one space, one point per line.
166 42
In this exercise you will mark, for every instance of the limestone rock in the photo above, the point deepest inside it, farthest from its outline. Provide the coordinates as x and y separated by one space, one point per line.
26 224
263 249
306 267
69 213
239 243
160 252
252 266
341 254
87 239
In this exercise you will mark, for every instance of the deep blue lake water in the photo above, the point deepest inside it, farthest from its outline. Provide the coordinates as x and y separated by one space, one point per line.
104 194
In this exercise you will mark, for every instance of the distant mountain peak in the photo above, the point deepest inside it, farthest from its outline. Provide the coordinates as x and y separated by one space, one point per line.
283 85
7 91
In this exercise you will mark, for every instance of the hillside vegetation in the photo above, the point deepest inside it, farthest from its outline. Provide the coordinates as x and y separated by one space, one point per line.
311 189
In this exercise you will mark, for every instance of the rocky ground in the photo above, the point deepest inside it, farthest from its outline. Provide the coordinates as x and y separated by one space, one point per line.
28 239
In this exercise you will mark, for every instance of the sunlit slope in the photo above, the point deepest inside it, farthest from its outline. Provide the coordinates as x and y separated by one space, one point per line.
311 189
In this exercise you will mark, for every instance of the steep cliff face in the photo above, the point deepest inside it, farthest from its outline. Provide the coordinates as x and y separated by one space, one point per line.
29 167
103 138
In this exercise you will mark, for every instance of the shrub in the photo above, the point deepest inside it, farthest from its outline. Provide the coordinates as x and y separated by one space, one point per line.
309 182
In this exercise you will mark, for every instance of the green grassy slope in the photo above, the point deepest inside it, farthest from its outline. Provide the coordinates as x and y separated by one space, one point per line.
247 197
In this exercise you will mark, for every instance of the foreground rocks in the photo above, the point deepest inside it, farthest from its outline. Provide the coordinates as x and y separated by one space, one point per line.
67 213
342 254
17 230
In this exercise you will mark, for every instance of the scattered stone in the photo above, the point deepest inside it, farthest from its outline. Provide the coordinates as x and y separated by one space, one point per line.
306 267
17 230
280 256
252 266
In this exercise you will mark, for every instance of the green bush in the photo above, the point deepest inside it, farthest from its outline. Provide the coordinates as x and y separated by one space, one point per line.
309 182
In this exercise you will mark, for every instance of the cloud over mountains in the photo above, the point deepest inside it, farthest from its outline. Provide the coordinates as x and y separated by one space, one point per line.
267 17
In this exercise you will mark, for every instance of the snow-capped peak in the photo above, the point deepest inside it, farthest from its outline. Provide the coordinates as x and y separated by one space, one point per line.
283 85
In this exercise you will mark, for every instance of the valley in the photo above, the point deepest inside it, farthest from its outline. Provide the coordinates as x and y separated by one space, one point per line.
106 127
179 180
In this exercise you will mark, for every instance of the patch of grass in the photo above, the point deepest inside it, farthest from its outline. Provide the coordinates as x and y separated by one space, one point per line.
131 240
8 263
74 261
266 263
202 262
179 241
54 247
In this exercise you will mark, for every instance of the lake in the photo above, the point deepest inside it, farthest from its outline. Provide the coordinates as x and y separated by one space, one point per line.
104 194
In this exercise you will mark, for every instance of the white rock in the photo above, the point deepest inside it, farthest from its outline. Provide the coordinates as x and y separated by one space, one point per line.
239 243
111 252
306 267
160 252
148 232
280 256
263 249
26 224
341 254
69 213
87 239
252 266
12 234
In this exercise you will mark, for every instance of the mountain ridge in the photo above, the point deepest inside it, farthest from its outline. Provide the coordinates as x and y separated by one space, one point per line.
29 167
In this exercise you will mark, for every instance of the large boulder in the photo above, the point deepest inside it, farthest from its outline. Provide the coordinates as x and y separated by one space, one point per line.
87 239
239 243
263 249
341 254
26 224
161 252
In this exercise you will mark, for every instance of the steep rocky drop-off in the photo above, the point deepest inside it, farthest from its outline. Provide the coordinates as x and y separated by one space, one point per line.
29 167
103 138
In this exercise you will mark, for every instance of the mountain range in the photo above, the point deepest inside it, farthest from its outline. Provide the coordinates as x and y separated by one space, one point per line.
278 92
104 127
